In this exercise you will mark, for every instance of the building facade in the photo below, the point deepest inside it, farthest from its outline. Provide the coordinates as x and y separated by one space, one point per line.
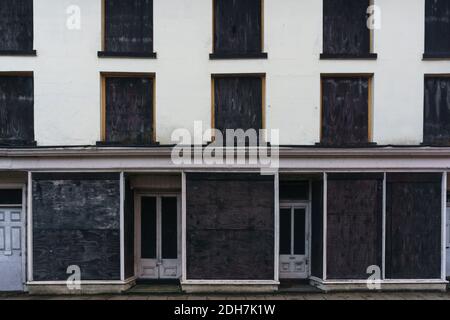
95 97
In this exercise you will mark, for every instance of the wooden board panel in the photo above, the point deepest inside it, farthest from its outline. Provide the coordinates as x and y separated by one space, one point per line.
238 103
317 229
345 111
237 26
129 26
437 111
413 226
76 221
16 110
16 25
230 227
437 27
11 196
129 110
294 190
345 27
354 225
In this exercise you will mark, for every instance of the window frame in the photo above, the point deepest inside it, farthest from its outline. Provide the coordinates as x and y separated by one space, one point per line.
103 76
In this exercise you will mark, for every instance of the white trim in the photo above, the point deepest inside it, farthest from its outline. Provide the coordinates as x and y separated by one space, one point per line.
389 281
30 229
230 282
324 222
277 227
183 228
122 226
443 226
24 234
383 228
82 282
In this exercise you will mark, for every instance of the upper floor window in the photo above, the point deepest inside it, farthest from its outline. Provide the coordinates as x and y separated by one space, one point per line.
238 103
16 27
16 110
128 109
437 110
346 110
345 30
238 29
437 29
128 28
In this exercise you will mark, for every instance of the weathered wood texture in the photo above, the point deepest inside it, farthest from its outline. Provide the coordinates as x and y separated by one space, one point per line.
129 26
317 229
354 224
237 26
413 226
16 25
230 227
345 111
76 221
437 27
437 111
16 110
129 229
294 190
345 27
129 110
238 103
11 196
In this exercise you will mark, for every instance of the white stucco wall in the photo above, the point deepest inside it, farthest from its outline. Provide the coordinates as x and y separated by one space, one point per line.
67 69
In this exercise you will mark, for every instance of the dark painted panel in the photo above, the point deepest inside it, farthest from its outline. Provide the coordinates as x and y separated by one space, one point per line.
148 227
76 222
294 190
129 110
96 252
354 227
285 231
16 25
129 229
16 110
317 229
345 27
413 226
345 114
230 226
169 227
299 231
437 110
237 27
437 27
238 103
8 196
129 26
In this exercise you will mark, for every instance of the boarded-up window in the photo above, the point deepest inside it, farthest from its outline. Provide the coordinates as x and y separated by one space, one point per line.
238 103
16 110
354 224
345 31
437 111
16 26
230 227
128 27
437 28
413 226
76 221
237 27
128 110
345 111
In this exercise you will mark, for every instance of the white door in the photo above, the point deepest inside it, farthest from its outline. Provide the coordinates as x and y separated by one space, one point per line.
447 242
294 241
159 237
11 221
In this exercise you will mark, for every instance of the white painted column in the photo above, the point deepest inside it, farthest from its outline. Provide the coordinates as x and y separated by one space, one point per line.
183 227
277 226
325 192
383 246
122 226
443 226
30 229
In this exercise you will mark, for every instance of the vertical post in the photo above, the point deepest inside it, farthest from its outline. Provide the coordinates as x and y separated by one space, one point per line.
325 189
383 237
30 229
183 227
122 226
277 226
443 226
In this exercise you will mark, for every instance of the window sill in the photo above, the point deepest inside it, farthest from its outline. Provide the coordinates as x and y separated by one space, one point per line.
351 145
123 145
142 55
436 56
23 53
236 56
333 56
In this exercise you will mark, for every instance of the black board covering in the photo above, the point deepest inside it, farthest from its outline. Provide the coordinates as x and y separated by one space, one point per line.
437 28
16 26
437 111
